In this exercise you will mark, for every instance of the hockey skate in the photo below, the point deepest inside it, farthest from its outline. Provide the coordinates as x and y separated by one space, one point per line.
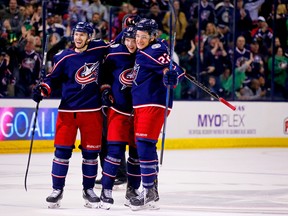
106 199
54 198
130 193
146 200
91 199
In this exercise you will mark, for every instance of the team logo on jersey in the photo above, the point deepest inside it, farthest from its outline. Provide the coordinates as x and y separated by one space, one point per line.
241 60
156 46
126 78
28 63
135 72
88 73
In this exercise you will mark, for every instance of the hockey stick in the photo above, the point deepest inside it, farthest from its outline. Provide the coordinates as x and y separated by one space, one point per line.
172 38
208 91
42 75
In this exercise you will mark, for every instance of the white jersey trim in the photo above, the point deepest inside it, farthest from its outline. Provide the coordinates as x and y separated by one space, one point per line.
123 113
149 105
80 110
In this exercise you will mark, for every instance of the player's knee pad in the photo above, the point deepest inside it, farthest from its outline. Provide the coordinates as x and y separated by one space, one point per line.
146 150
88 155
116 151
62 153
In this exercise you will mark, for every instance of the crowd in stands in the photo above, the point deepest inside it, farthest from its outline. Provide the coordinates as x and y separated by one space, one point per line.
204 43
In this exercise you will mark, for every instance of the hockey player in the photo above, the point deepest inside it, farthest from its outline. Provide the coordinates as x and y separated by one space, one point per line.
129 20
152 77
76 71
117 96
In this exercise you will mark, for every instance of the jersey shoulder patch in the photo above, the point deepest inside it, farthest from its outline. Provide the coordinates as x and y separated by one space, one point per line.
156 46
114 45
60 52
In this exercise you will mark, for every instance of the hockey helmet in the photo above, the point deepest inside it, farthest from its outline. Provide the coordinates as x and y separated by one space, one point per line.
129 32
148 25
130 20
83 27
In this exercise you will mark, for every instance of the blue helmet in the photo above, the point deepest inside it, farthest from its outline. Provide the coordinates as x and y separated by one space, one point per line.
149 25
129 32
83 27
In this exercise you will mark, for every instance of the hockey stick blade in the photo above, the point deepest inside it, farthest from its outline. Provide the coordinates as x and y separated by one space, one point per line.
227 103
208 91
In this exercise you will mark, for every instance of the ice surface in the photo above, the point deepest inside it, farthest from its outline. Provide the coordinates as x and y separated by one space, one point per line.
210 182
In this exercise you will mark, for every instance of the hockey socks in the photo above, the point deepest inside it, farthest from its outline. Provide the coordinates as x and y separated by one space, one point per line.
89 170
111 164
148 162
60 167
133 168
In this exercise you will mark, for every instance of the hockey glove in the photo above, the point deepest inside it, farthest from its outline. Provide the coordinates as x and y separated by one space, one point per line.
107 97
39 91
37 96
171 78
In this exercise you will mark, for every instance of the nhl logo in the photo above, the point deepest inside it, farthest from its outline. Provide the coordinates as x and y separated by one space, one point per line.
286 126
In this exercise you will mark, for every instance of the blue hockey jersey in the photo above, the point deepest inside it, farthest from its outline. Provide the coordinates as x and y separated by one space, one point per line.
148 88
119 67
77 75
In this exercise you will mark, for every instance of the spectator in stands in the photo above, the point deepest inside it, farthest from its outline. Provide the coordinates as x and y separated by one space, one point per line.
227 78
82 8
253 7
258 69
241 53
263 34
243 21
125 9
207 13
73 17
219 56
180 27
6 77
30 64
252 91
188 60
224 13
100 26
214 86
36 20
27 14
280 73
224 35
277 44
210 31
156 14
97 6
12 19
281 19
55 28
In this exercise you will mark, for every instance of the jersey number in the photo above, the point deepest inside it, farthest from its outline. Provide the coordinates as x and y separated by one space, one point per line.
164 59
